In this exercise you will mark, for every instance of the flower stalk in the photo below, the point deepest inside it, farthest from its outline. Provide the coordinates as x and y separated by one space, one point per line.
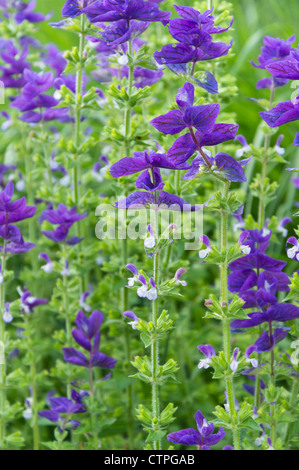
2 356
226 325
125 303
155 343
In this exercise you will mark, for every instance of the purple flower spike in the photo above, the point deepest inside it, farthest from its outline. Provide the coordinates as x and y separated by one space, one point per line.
87 335
65 219
209 352
11 212
202 437
115 10
62 410
274 50
201 117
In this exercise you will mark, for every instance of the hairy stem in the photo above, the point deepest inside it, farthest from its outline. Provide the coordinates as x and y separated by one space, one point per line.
2 356
125 303
226 327
35 426
261 222
293 401
155 345
261 216
77 131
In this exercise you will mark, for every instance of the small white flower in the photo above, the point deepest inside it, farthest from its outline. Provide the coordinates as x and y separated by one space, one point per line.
123 60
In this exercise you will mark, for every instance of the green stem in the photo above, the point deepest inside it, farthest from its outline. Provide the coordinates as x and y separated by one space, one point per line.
261 222
34 390
293 401
77 133
2 357
261 217
155 348
226 327
272 407
127 122
68 327
92 414
78 107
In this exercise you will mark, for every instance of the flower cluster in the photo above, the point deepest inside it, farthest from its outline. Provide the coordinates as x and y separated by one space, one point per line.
63 408
202 437
88 336
193 31
34 98
10 213
257 278
200 121
65 219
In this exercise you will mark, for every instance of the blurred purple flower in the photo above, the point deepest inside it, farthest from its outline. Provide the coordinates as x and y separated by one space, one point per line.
202 437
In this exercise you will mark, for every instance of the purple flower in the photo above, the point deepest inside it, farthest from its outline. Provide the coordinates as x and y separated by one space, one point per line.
134 319
209 352
283 113
87 335
287 69
293 252
184 147
223 164
193 33
28 302
149 162
165 201
115 10
63 408
201 117
25 12
235 363
100 168
120 32
11 212
273 51
48 267
180 272
73 8
12 72
267 341
271 311
33 97
202 437
65 219
204 253
7 316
